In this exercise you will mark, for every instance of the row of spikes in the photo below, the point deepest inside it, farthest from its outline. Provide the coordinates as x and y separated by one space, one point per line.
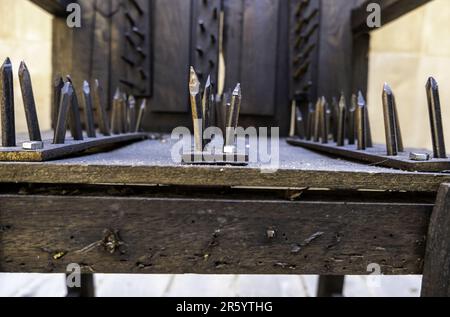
350 125
122 120
209 110
337 123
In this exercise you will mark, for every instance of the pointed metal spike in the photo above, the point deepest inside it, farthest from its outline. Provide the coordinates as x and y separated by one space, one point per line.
196 108
234 114
389 121
29 103
293 118
141 114
351 119
310 122
7 104
88 111
131 114
64 107
341 128
400 145
334 118
324 123
361 122
58 85
100 109
206 102
75 126
434 109
317 119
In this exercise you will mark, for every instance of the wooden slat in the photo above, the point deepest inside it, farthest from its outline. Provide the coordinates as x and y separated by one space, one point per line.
335 54
55 7
436 276
172 35
390 10
212 236
259 56
150 162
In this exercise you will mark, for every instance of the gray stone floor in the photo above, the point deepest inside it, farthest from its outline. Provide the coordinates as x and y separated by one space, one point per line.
38 285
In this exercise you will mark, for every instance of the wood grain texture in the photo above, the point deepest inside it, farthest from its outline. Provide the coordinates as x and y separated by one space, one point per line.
149 162
259 56
436 276
172 35
209 236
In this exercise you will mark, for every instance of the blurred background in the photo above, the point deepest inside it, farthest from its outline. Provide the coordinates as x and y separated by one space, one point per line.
403 53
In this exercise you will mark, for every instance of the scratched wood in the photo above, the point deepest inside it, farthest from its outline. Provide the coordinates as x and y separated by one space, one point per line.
212 236
436 278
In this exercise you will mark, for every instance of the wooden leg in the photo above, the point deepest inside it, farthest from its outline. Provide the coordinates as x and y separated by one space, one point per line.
331 286
436 273
87 288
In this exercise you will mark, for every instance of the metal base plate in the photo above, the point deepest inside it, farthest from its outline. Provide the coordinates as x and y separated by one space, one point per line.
376 156
57 151
196 158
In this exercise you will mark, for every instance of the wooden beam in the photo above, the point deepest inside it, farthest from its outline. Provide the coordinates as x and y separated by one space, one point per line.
55 7
436 275
390 11
210 236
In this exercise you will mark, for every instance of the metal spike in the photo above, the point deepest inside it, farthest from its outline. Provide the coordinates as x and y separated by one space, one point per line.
102 116
7 104
65 105
58 86
310 122
124 108
137 6
29 103
131 114
324 123
352 120
361 122
75 126
141 114
234 114
369 142
400 145
138 32
88 111
293 118
434 108
335 118
196 108
389 121
342 109
206 103
317 116
116 123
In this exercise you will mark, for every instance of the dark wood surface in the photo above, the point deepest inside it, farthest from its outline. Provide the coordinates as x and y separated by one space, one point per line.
55 7
123 233
149 162
390 10
70 148
436 278
376 156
